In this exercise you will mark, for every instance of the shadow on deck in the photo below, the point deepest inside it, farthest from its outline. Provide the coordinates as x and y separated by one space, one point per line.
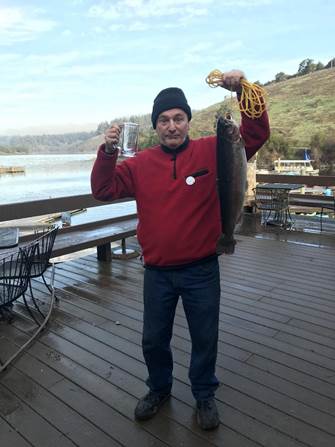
79 383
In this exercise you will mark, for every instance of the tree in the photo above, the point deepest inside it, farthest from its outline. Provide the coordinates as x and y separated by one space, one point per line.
102 127
323 153
306 66
148 138
281 76
277 146
328 154
331 63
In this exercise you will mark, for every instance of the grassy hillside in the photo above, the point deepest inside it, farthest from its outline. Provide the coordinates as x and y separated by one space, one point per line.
298 108
303 106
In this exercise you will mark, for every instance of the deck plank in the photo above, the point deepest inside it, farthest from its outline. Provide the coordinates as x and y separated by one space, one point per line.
79 429
10 437
276 359
28 423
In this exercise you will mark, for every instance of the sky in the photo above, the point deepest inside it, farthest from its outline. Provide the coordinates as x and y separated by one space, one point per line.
66 65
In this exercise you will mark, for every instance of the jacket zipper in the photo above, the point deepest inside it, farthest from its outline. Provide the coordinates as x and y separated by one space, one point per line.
174 171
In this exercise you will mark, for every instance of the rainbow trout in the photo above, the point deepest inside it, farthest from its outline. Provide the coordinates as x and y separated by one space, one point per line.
231 180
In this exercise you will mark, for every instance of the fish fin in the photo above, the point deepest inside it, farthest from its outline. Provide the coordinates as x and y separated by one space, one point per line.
225 245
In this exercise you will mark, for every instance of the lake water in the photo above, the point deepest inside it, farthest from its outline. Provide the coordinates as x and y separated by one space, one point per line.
46 176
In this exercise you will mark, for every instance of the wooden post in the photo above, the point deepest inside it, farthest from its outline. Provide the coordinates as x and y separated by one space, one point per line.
104 252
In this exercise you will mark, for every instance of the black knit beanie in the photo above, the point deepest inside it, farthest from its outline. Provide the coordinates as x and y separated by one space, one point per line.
169 98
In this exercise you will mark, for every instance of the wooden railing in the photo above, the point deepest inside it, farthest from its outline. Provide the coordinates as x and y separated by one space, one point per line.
308 180
34 208
98 231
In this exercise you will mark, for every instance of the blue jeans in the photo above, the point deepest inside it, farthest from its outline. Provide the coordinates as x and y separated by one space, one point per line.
199 288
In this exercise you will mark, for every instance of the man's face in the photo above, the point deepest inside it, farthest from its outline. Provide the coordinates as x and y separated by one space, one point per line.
172 127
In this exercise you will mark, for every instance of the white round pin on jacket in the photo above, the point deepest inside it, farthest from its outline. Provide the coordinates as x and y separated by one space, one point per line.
190 180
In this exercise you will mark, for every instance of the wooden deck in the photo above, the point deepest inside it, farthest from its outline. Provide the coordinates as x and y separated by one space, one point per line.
79 383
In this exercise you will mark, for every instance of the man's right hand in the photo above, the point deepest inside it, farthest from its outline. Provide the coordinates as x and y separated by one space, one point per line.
112 136
232 80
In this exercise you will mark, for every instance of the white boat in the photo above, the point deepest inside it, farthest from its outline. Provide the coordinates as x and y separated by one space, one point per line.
294 167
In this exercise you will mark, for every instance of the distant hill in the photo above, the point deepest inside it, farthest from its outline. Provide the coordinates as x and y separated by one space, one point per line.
299 108
46 144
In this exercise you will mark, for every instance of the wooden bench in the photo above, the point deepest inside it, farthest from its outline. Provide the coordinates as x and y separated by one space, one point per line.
311 201
94 233
319 203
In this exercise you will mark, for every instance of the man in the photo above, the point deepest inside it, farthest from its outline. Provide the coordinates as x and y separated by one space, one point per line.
179 224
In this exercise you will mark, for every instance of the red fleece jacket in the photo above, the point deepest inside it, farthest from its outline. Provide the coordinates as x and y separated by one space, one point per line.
178 223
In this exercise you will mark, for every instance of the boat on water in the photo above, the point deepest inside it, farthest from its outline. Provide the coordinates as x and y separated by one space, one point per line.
294 167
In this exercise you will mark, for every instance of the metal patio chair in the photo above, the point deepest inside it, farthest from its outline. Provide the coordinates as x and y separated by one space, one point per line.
14 278
16 271
40 263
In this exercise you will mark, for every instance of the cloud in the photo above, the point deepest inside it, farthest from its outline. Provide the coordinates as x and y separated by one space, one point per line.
246 3
107 69
148 9
66 33
60 67
184 10
16 66
103 12
7 58
196 53
19 25
138 26
210 52
77 2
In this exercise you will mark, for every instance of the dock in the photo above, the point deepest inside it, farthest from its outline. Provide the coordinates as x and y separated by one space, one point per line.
11 169
79 383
